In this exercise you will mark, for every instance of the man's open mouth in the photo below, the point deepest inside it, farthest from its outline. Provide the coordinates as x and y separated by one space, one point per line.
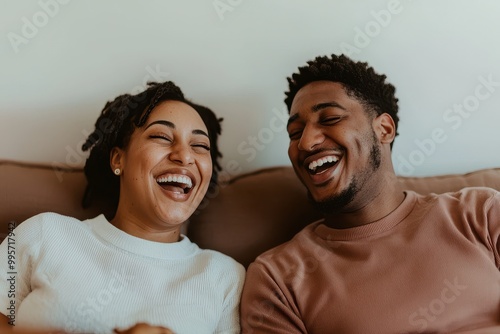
176 183
320 165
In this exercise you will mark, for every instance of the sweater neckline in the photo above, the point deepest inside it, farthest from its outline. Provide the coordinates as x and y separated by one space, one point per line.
142 247
371 229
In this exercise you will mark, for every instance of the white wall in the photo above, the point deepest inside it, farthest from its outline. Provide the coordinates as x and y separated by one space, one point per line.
55 79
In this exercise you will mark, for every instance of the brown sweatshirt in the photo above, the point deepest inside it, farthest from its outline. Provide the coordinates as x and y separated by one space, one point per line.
430 266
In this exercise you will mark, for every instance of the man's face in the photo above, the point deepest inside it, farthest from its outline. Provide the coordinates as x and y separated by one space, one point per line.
333 147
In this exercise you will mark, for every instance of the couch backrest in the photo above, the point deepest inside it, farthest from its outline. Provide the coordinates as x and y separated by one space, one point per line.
260 210
244 217
27 189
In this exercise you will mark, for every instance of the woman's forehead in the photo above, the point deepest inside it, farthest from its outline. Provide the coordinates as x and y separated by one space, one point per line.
176 112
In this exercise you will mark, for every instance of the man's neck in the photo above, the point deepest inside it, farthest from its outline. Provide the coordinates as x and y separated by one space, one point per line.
369 210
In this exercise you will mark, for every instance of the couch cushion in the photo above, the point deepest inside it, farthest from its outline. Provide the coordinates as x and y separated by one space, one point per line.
257 211
246 216
28 189
252 213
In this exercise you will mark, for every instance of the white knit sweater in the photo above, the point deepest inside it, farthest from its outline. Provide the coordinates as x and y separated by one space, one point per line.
92 277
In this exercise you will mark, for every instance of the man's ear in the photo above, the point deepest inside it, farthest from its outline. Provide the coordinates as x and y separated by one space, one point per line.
116 159
384 128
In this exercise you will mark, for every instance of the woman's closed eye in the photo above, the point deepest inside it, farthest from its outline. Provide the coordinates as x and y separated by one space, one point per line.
202 146
161 137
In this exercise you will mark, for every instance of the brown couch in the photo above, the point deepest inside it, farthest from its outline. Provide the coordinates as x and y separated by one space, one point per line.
242 218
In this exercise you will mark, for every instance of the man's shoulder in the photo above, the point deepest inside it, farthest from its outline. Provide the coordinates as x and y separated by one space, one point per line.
466 202
291 250
468 194
465 194
477 191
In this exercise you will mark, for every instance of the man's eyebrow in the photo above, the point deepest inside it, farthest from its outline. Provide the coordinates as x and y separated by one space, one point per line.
325 105
316 108
172 126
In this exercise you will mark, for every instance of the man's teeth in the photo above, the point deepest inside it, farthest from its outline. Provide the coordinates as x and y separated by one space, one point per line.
176 178
320 162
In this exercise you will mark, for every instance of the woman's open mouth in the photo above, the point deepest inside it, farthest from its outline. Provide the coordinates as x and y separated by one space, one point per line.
176 183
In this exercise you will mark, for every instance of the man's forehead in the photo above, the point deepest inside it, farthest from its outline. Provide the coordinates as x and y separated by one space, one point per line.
318 93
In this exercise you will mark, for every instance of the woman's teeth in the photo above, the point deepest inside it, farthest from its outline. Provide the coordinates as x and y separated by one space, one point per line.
185 180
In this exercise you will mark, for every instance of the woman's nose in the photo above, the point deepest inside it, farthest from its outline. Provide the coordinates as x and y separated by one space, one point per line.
182 153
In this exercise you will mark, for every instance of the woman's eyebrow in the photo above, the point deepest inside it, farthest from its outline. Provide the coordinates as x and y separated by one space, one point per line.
162 122
200 132
172 126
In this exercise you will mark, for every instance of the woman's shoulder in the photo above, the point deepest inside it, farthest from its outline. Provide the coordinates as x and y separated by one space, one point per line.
218 261
47 217
52 222
51 219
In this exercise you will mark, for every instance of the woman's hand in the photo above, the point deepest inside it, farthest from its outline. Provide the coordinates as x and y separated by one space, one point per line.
143 328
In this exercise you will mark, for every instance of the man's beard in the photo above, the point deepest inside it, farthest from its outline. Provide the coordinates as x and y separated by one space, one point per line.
335 203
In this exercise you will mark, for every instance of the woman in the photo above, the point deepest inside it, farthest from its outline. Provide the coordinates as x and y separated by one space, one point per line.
152 158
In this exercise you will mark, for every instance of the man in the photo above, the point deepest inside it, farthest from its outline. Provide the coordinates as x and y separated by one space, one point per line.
383 260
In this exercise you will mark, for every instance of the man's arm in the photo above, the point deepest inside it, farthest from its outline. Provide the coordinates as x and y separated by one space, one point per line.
483 216
265 308
494 225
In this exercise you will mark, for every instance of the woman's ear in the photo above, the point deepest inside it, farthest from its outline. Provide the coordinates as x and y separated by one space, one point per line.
116 160
384 128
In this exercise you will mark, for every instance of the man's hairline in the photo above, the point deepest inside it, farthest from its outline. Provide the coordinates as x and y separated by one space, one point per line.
351 92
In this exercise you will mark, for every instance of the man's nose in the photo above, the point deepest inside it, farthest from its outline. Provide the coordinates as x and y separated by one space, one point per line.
311 137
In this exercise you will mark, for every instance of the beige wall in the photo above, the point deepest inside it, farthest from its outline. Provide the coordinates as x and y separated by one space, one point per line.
62 60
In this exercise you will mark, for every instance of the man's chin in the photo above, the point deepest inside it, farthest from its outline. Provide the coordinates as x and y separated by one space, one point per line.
335 203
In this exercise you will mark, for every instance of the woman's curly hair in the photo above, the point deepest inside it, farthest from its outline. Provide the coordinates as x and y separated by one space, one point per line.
359 80
115 126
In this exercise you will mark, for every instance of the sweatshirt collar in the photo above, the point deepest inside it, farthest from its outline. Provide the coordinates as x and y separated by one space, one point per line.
142 247
371 229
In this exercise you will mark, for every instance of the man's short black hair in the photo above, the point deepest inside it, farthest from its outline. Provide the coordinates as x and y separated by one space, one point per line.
359 80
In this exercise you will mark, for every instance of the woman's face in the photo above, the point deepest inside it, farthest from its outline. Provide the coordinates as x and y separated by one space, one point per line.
166 167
